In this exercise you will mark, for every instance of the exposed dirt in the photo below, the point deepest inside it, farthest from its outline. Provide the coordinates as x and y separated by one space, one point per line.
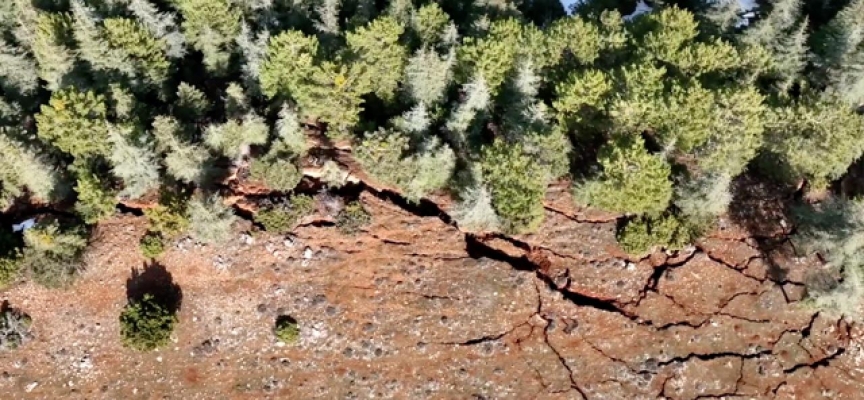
413 307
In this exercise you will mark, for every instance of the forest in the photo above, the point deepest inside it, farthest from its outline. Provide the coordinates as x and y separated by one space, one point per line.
652 117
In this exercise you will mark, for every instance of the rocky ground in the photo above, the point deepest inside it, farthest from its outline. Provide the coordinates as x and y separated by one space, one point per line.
413 308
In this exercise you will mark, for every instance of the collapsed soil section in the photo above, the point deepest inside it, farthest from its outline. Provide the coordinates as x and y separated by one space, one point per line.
412 307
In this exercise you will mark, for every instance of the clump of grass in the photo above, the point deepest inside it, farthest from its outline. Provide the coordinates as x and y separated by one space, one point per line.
282 216
352 218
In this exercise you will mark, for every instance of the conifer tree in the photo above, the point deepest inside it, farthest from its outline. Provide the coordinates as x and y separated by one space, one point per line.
379 56
633 181
517 185
211 26
74 122
50 48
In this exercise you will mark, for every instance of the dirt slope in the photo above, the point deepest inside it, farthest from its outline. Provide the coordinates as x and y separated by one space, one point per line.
414 308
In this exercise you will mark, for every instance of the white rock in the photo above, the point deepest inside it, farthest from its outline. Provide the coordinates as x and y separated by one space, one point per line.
30 386
159 359
307 254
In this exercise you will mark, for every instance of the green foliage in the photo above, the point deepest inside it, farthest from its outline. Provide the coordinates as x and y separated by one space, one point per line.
633 181
74 122
191 103
170 217
95 200
53 57
152 245
517 185
814 139
278 174
375 48
281 217
234 137
134 162
644 234
352 218
288 63
286 329
210 220
833 229
428 75
52 252
25 169
430 23
385 155
146 324
211 26
493 56
139 45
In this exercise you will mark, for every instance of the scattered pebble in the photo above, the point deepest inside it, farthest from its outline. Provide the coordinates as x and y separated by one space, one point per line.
30 386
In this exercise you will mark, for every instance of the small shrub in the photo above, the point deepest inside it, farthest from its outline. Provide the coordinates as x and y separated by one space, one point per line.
286 329
332 174
152 245
95 201
517 185
277 174
211 220
9 268
643 234
281 218
51 255
14 328
352 218
170 217
633 181
145 324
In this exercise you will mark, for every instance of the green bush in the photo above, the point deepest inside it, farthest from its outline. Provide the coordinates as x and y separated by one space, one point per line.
169 218
277 174
352 218
633 181
643 234
517 184
281 217
152 245
146 325
286 329
52 253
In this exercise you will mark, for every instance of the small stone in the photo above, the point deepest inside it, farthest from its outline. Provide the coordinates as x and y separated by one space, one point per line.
307 254
159 359
262 308
280 344
30 386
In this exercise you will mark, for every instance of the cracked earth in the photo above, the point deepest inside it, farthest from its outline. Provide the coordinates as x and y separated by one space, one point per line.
413 307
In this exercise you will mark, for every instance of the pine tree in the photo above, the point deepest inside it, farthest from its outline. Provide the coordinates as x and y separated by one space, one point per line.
385 155
18 72
74 122
633 181
814 139
143 50
162 25
134 162
234 137
25 169
376 51
288 64
93 45
50 49
211 26
840 47
428 75
492 56
517 185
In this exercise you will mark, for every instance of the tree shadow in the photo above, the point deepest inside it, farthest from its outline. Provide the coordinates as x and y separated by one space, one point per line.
154 279
762 209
